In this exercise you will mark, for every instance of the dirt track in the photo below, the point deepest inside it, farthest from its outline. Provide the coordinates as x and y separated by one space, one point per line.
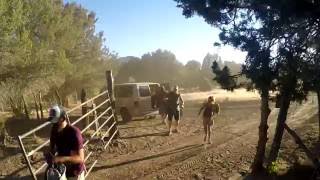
146 152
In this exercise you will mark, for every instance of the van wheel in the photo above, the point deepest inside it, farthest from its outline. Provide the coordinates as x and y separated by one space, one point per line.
125 115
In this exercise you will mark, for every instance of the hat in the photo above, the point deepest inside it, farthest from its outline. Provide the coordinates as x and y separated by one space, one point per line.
55 113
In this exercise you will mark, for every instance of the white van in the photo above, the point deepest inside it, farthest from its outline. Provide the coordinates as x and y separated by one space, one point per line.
134 99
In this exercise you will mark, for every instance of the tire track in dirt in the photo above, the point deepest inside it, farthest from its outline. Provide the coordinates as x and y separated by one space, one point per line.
138 165
187 168
191 166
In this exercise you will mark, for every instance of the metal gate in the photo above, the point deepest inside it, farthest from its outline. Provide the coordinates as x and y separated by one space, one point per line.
106 115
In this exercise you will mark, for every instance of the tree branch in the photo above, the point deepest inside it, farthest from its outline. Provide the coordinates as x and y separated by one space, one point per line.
298 140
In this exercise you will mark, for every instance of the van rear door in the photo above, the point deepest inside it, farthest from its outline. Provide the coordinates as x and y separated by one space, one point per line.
124 96
144 99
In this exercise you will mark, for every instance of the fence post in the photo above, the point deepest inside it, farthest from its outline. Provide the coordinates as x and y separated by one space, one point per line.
110 88
84 107
95 116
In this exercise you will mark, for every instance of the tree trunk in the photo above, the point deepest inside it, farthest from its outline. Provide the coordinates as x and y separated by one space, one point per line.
58 97
282 117
36 106
40 105
298 140
3 137
65 101
26 111
13 107
257 165
76 96
318 96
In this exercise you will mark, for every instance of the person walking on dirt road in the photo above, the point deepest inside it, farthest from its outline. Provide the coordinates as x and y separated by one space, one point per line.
210 109
160 101
175 106
67 141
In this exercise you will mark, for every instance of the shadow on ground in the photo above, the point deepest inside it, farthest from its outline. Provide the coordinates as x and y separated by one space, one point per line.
134 127
174 151
28 177
146 135
297 172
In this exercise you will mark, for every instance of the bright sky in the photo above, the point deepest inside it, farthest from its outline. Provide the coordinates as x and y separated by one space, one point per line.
135 27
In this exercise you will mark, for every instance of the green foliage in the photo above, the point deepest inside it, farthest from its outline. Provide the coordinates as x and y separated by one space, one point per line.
163 67
46 46
223 77
282 41
193 65
278 36
273 168
194 78
159 66
208 60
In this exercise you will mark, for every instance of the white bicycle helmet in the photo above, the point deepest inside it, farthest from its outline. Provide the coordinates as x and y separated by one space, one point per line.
55 113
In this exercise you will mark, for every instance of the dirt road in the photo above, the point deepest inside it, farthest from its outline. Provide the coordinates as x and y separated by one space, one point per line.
146 152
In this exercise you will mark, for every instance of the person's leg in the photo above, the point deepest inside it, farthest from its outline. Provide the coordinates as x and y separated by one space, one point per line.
205 129
177 120
164 117
170 117
210 125
163 114
209 133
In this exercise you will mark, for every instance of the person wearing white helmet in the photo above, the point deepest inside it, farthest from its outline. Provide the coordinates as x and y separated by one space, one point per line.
66 140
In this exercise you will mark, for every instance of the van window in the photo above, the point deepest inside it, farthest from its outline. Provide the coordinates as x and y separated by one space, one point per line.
123 91
144 91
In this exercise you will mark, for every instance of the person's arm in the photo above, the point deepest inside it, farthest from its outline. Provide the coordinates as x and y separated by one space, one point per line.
49 155
153 101
181 101
76 157
52 149
202 107
218 106
52 146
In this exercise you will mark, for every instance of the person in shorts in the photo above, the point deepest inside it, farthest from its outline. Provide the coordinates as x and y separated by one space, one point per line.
175 104
160 102
209 109
66 144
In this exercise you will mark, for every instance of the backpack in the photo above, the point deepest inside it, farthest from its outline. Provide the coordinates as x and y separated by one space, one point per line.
56 172
210 109
216 108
